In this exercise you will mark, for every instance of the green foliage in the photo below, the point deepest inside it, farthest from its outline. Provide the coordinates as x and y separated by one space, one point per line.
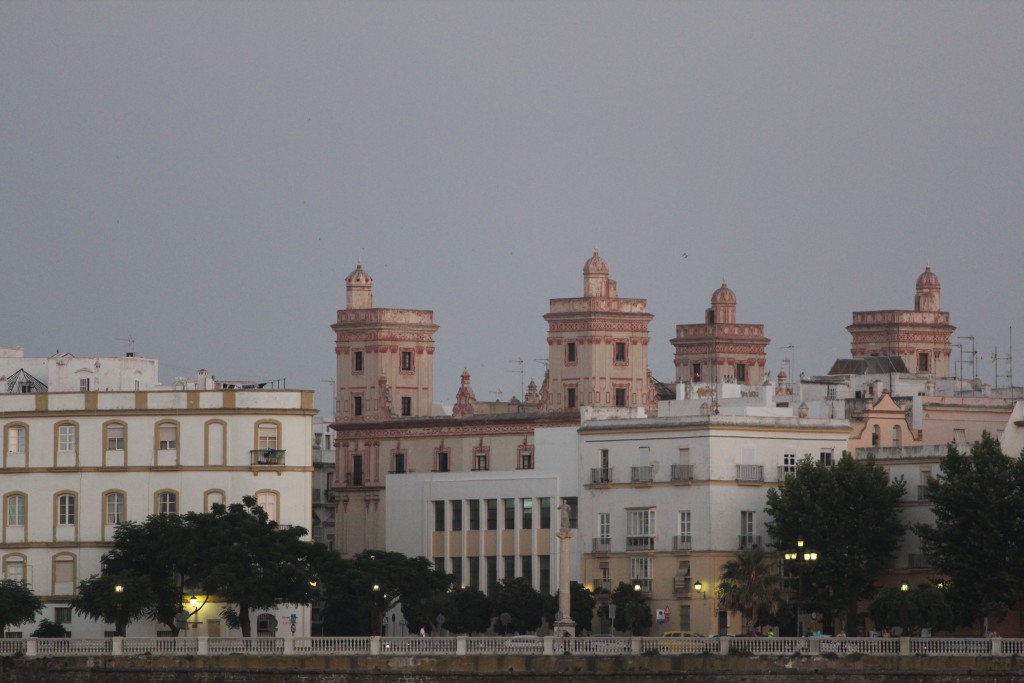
632 613
919 607
165 550
98 598
50 629
18 604
471 611
581 606
354 607
750 584
521 601
978 503
849 515
250 561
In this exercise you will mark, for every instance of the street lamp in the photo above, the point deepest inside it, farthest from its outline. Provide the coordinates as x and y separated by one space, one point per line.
904 586
118 590
699 587
802 557
376 626
194 602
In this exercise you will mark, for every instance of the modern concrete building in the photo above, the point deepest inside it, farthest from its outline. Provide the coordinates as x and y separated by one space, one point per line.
120 447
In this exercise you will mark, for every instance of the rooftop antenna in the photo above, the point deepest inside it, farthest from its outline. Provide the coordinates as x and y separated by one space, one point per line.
1009 359
131 343
973 361
522 387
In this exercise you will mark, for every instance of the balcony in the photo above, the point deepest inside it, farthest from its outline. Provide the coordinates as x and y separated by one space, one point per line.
681 473
748 541
645 584
267 457
353 479
682 542
601 475
602 545
749 472
681 585
639 542
642 474
602 585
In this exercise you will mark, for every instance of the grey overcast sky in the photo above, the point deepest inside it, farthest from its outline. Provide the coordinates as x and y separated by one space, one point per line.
201 176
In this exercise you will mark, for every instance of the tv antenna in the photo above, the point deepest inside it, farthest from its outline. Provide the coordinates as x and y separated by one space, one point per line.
522 387
1009 360
131 343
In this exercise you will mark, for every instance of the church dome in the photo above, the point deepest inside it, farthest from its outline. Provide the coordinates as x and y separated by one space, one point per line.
595 265
723 295
359 276
927 279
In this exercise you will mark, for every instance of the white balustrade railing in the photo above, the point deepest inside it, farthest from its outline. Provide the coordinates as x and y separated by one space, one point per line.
522 645
160 646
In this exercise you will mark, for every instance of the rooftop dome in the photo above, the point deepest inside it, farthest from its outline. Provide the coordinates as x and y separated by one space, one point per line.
358 276
595 264
927 278
723 295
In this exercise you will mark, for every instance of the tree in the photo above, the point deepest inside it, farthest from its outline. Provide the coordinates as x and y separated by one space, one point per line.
849 514
911 610
581 606
164 549
250 561
524 605
632 613
978 503
750 584
361 590
99 598
50 629
18 604
471 611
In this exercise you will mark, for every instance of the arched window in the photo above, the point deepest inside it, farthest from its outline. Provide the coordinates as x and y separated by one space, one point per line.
114 507
876 436
67 504
266 625
268 501
267 435
15 509
63 574
166 503
213 496
14 568
896 437
16 439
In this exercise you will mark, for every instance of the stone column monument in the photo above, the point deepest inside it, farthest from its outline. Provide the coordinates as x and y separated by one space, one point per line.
564 625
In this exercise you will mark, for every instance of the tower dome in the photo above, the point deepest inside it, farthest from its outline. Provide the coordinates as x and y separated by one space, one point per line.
929 290
595 264
928 279
595 278
723 295
359 289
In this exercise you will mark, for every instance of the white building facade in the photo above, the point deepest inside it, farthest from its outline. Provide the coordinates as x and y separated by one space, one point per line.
77 464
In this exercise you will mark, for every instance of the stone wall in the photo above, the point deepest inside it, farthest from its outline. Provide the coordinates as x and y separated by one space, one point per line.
528 669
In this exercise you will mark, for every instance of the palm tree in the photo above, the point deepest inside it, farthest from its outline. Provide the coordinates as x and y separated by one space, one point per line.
749 584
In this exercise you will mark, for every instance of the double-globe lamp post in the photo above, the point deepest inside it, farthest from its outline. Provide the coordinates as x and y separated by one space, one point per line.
802 556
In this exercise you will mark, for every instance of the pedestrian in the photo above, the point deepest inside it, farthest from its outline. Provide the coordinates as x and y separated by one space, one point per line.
423 632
